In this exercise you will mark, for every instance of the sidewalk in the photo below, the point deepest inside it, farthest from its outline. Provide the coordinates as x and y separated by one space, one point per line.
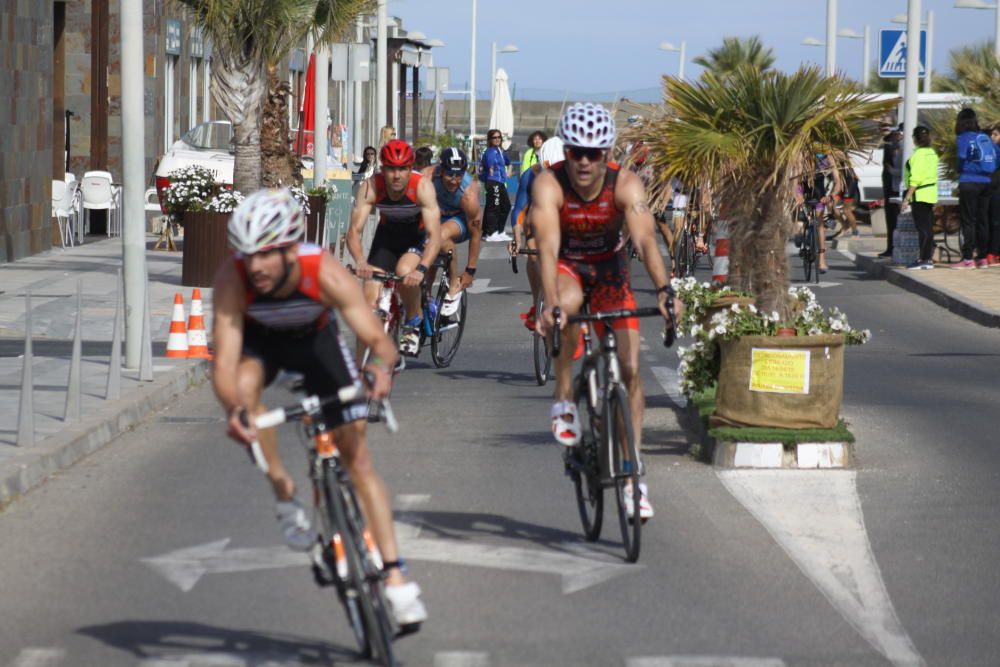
972 294
52 279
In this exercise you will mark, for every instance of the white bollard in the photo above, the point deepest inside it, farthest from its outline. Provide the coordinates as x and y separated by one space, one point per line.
26 407
114 386
72 412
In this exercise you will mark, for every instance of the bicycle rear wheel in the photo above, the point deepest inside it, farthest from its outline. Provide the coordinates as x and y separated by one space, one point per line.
370 619
585 473
448 330
620 439
683 255
540 345
808 252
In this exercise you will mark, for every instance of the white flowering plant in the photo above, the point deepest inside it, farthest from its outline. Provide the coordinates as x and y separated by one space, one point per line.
301 197
190 189
225 201
700 361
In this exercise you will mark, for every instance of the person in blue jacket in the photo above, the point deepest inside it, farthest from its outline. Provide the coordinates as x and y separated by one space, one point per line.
493 173
977 160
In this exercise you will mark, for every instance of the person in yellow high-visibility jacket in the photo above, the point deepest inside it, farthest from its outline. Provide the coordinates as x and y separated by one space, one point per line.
920 178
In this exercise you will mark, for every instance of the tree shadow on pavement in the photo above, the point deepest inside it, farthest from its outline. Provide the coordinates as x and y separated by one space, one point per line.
184 639
514 379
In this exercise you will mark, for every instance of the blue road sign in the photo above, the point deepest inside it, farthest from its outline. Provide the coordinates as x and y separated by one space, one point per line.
892 50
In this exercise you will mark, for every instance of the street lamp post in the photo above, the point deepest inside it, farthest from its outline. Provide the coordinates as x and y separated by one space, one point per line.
850 34
510 48
831 37
929 65
668 46
472 86
979 4
381 68
912 78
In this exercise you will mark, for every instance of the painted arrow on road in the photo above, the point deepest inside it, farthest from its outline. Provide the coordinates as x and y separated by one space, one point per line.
482 286
578 567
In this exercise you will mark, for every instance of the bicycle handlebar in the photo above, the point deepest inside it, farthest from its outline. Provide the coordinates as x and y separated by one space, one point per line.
669 333
522 251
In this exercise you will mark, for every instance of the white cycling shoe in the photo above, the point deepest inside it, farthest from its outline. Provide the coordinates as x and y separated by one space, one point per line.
645 507
566 424
407 608
450 304
294 524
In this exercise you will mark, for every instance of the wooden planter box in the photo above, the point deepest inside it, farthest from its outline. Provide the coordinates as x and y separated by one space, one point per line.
206 247
316 220
784 382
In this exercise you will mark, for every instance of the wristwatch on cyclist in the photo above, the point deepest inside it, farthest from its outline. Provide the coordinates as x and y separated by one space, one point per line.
666 288
471 270
422 269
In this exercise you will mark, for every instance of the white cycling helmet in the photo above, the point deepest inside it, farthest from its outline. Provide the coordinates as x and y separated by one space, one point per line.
587 126
266 219
551 152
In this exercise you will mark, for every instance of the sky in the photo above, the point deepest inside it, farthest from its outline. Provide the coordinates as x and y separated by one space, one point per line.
611 45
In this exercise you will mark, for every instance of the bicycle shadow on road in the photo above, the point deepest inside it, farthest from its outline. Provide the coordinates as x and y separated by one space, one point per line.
185 639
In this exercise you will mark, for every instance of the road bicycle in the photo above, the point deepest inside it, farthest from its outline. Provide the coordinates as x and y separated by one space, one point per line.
607 455
442 333
687 251
809 250
539 344
345 555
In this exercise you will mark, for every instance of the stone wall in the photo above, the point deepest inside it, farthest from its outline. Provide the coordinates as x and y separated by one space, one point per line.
26 56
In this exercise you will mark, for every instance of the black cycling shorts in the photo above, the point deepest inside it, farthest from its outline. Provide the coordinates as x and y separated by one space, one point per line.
319 354
392 242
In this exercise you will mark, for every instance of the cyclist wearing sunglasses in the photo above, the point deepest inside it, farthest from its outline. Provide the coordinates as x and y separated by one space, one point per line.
580 209
273 305
408 236
461 218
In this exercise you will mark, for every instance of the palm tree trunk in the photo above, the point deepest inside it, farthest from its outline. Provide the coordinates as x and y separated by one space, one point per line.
765 262
239 88
277 161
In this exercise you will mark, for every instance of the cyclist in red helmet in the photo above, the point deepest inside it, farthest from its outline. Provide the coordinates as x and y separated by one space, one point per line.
408 236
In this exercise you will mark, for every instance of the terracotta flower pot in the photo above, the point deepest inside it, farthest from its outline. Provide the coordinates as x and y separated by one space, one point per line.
786 332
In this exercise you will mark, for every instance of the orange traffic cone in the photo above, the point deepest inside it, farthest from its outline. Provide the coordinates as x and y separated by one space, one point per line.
177 343
197 339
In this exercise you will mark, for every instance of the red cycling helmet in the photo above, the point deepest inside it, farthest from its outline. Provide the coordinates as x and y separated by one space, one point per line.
397 153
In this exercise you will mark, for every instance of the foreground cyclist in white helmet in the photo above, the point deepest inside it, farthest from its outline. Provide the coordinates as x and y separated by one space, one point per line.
274 304
579 210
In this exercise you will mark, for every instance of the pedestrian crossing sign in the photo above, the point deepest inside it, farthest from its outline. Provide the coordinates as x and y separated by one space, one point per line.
892 49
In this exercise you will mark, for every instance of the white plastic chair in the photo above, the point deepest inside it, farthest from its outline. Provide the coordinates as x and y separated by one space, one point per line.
100 193
65 209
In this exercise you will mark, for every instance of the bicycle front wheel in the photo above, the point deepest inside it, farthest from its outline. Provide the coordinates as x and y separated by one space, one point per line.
683 255
448 329
808 250
585 471
373 623
620 441
540 344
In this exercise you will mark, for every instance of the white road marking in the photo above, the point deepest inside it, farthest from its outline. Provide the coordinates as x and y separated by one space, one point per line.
164 662
816 517
703 661
482 286
848 254
461 659
578 569
825 284
407 522
667 377
38 657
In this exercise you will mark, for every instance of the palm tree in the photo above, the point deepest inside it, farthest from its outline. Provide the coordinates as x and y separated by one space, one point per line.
249 37
733 53
752 135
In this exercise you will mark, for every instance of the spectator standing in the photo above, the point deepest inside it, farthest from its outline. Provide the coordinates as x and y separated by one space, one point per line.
368 161
531 158
892 155
493 173
977 160
387 134
993 258
920 176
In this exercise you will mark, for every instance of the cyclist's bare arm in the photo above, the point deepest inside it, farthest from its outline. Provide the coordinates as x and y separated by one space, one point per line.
546 200
228 306
338 289
474 214
431 215
359 217
630 197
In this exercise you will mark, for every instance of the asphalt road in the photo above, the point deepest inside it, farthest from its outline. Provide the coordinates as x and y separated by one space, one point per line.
482 501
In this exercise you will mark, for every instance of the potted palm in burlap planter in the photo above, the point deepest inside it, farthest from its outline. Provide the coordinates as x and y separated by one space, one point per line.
750 135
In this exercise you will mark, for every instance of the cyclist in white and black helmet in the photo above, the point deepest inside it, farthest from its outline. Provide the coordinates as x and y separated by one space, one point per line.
461 219
579 211
274 308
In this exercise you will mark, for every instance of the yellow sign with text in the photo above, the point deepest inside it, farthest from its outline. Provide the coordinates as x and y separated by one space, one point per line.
779 371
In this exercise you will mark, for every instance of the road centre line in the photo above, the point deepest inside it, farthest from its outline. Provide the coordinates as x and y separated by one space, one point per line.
703 661
461 659
38 657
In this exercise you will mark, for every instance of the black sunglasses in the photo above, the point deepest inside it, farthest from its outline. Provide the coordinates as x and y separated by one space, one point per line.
577 153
